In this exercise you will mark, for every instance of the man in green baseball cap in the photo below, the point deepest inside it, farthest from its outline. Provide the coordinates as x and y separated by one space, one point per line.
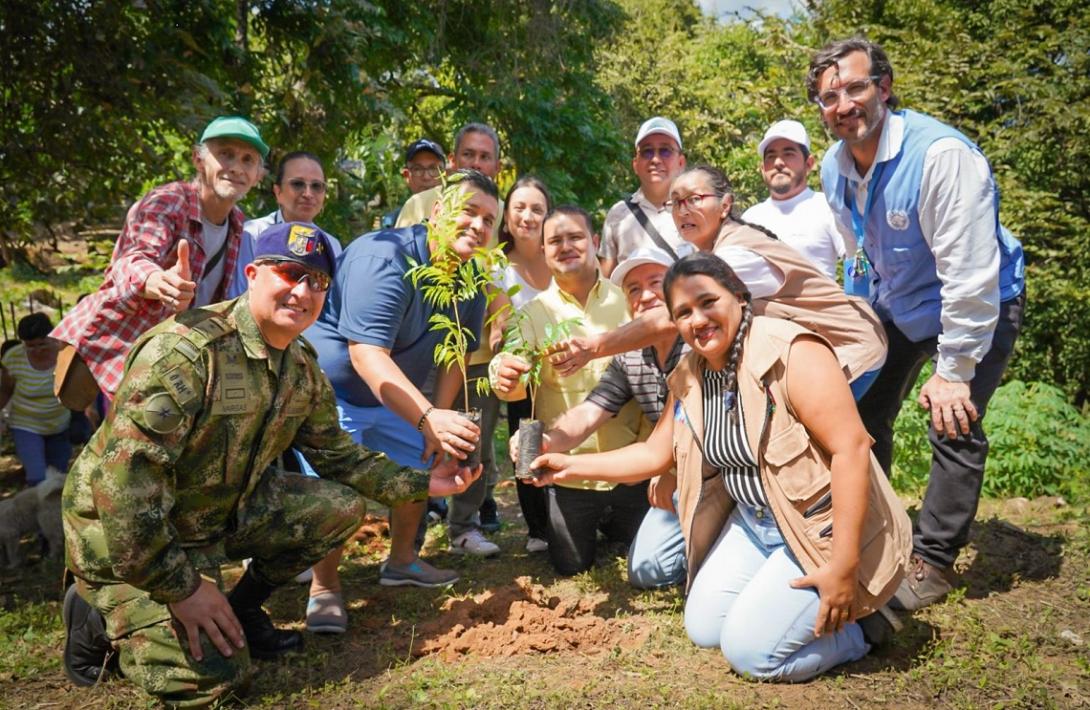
177 250
238 128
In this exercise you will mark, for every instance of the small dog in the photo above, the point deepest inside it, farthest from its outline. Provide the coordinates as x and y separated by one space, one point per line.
29 510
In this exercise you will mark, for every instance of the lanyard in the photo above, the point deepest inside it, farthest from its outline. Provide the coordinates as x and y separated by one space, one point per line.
857 274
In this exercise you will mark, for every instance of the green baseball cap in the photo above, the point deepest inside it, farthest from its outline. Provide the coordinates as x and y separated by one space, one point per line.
236 127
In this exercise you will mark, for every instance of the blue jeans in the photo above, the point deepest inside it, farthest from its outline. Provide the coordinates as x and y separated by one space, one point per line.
861 384
37 451
741 603
657 555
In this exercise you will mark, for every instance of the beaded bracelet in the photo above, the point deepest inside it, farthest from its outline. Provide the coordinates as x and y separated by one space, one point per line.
423 417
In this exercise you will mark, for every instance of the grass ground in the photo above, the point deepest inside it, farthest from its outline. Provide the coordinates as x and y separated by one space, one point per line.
513 634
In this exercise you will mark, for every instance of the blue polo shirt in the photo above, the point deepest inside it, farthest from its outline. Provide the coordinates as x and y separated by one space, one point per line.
372 302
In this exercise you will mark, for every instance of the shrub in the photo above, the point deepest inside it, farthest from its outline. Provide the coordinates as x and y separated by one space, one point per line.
1039 443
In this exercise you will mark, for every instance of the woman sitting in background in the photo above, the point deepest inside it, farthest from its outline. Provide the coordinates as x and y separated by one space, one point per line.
38 421
794 538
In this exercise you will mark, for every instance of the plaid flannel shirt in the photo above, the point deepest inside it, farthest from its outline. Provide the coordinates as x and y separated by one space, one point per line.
103 326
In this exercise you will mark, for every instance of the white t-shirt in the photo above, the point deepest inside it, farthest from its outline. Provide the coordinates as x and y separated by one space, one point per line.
806 222
510 277
214 237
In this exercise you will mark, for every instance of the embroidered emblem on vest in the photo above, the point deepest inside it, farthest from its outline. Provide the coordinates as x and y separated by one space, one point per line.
897 219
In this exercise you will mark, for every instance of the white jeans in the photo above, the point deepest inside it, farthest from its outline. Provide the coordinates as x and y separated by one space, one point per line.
741 603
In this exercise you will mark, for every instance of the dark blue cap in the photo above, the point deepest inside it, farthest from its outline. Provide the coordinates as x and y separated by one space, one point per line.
424 144
296 241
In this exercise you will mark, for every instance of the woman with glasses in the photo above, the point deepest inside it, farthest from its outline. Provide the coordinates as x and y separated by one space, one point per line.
782 282
300 191
794 538
525 209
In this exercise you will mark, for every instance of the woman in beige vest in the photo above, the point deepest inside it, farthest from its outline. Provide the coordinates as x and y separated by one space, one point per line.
782 281
793 536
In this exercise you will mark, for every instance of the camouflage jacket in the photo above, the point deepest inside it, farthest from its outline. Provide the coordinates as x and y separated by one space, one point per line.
200 415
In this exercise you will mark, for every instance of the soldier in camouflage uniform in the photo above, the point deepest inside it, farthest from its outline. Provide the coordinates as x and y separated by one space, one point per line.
182 478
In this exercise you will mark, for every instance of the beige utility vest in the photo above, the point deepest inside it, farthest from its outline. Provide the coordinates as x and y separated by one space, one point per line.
814 301
794 471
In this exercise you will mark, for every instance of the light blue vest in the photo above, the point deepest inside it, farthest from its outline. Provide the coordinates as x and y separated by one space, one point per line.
904 283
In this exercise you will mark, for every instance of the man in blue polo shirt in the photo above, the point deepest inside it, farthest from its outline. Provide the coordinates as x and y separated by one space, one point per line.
945 277
376 345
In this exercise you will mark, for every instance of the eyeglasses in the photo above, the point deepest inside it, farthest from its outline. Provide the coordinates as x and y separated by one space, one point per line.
292 272
420 170
300 185
692 201
854 91
663 152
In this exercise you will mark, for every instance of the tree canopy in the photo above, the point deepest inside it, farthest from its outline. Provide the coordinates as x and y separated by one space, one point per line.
103 100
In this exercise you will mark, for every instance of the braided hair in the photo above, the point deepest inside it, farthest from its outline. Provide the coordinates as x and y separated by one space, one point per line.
704 264
720 185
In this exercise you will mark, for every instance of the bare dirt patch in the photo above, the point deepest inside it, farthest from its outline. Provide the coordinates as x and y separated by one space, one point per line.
373 534
524 618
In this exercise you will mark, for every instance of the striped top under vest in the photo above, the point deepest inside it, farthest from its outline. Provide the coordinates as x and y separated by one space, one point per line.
725 444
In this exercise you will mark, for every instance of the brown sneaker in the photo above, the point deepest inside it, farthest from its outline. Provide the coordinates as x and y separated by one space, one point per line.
924 585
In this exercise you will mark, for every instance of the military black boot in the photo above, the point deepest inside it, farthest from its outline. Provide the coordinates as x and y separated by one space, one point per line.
265 640
88 655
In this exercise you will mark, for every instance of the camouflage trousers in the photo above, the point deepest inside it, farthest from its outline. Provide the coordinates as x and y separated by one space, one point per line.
288 523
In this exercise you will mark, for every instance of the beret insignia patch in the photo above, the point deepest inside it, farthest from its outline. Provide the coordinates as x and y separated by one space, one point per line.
303 240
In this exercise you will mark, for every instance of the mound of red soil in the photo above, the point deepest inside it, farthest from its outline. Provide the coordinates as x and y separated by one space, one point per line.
521 618
372 534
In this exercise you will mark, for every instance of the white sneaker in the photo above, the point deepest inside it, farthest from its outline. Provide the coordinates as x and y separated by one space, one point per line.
536 544
473 543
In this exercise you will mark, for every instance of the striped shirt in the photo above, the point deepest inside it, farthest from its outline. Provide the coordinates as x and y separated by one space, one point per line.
636 374
725 443
34 408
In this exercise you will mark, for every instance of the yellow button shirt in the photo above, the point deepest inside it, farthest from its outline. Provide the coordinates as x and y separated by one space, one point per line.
606 310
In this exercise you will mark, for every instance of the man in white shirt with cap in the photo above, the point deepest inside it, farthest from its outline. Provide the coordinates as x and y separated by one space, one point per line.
793 212
643 221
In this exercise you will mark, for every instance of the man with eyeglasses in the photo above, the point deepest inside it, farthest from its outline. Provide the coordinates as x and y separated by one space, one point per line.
181 479
945 277
300 191
178 249
793 212
424 164
476 147
643 221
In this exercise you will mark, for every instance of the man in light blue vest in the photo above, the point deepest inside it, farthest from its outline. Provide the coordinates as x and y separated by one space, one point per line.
945 277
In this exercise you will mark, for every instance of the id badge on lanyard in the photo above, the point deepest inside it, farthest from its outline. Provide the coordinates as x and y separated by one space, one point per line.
857 273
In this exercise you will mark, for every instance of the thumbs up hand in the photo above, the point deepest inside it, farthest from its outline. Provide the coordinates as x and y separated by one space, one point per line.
173 286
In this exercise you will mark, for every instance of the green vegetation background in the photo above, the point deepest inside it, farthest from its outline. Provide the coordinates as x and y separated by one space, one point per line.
102 100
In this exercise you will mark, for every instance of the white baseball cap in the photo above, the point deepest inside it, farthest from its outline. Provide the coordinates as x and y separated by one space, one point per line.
644 255
658 124
791 130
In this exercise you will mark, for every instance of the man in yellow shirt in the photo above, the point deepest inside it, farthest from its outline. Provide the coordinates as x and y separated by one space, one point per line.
577 510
